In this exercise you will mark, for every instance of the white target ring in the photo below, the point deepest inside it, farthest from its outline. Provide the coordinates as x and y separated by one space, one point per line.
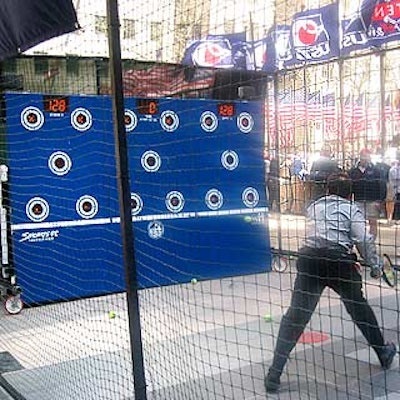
81 119
214 199
245 122
151 161
131 120
155 229
37 209
175 201
32 118
208 121
250 197
169 121
87 206
60 163
136 204
230 160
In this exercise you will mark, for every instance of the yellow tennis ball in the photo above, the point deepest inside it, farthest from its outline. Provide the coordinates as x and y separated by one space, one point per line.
193 281
247 218
267 317
112 314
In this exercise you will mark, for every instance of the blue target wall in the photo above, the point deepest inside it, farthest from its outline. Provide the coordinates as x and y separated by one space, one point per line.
197 187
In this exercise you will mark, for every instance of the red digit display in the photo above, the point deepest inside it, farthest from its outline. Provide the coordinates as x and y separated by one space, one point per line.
55 104
147 106
226 109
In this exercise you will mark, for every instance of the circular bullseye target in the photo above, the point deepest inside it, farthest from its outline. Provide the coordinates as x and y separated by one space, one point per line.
131 120
230 160
175 201
169 121
81 119
245 122
250 197
155 229
136 204
37 209
214 199
87 206
32 118
151 161
208 121
60 163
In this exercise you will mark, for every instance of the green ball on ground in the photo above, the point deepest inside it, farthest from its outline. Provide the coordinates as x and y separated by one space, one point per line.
247 218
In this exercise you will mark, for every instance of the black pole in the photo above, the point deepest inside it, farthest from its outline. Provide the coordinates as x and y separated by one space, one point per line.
267 122
382 80
277 141
342 112
278 161
121 155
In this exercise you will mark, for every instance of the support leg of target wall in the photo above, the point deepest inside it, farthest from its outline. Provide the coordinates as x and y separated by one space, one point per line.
124 193
277 155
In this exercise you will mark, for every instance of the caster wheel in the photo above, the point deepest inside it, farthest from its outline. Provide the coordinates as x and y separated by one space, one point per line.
280 264
13 304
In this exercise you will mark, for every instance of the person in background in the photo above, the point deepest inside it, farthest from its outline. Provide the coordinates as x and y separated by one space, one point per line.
286 189
390 196
321 168
334 226
394 188
273 185
369 188
390 199
383 164
298 177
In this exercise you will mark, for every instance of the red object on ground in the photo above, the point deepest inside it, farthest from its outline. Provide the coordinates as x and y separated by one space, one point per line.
313 337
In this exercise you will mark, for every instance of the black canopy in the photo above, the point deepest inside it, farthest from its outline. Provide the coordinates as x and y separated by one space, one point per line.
26 23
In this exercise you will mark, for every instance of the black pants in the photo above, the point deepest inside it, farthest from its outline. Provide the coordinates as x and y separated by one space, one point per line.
316 270
396 213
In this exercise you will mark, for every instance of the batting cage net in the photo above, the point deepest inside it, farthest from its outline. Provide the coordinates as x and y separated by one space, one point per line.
260 145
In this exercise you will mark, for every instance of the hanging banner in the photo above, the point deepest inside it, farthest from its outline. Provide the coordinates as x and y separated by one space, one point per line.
278 48
238 46
385 22
314 35
256 55
209 53
218 51
354 28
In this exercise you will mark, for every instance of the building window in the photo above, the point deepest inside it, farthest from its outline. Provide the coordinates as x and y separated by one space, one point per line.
196 31
100 24
103 69
128 64
72 66
155 31
128 29
10 65
229 26
184 29
41 66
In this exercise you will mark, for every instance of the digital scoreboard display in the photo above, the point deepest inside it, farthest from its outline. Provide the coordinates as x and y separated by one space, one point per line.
55 104
147 106
226 109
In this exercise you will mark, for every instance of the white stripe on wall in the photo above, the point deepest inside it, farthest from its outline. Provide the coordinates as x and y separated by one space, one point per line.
137 218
